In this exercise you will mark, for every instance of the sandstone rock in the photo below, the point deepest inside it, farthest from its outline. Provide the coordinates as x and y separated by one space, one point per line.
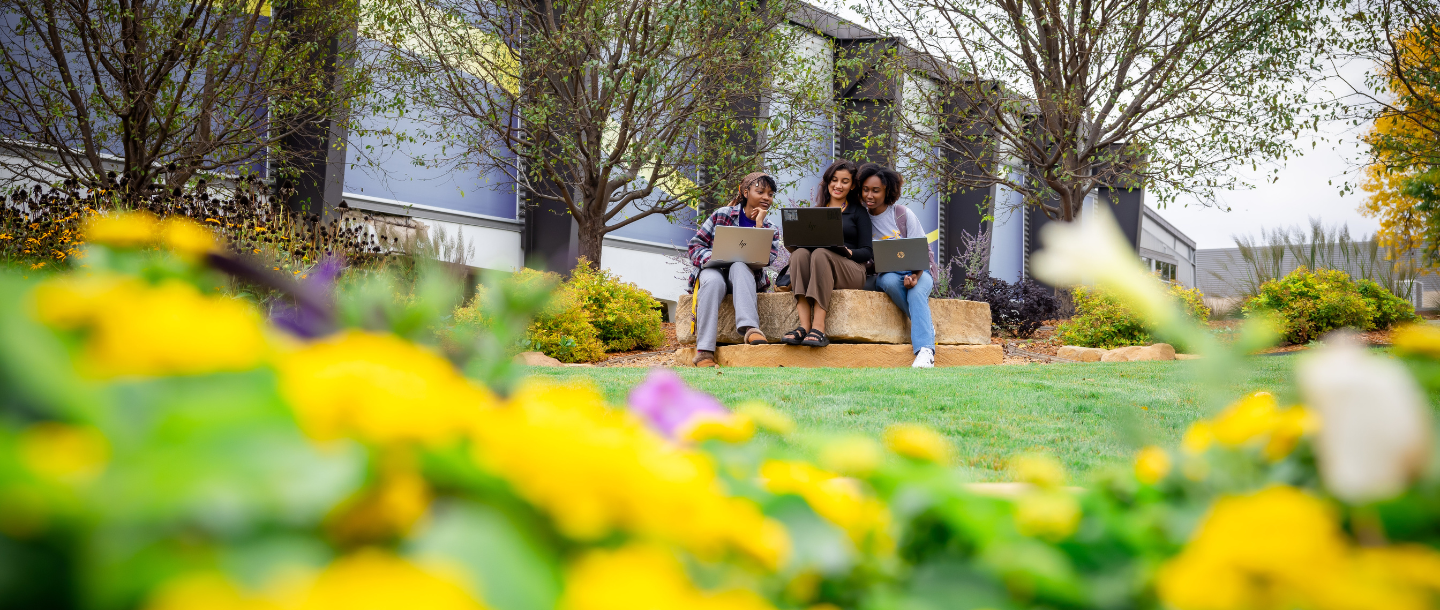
1081 354
855 316
1140 353
844 355
1187 356
536 359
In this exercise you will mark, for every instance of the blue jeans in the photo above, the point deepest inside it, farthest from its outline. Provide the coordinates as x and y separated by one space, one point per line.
915 302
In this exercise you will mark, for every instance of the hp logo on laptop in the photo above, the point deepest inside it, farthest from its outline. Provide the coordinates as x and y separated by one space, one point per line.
742 245
897 254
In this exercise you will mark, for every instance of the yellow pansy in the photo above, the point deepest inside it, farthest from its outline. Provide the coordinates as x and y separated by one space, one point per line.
1421 339
1038 470
733 428
918 442
367 580
123 230
839 500
1052 514
137 329
1292 425
64 452
1251 417
639 577
855 455
767 417
386 511
1151 465
379 388
187 237
1198 438
596 470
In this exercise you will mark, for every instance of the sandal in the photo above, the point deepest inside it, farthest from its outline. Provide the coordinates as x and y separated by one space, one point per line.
753 332
794 337
704 358
816 338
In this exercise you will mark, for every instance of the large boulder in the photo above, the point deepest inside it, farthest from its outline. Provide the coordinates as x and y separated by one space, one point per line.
843 355
1081 354
1140 353
536 359
855 316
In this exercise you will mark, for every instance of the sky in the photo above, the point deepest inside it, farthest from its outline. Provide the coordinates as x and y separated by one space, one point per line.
1306 187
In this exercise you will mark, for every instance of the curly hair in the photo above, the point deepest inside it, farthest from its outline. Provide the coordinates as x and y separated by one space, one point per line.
888 177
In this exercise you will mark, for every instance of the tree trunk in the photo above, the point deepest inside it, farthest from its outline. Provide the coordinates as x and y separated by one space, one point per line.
592 238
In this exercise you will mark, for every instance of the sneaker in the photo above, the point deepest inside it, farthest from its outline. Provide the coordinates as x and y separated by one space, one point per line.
924 359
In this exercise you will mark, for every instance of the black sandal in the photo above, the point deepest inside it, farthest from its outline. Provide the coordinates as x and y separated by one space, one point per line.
816 338
794 337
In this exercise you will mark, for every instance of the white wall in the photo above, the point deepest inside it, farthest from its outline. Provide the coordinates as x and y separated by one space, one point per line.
651 271
1007 238
493 248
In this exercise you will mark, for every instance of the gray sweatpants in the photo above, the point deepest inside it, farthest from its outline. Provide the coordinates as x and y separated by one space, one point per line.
711 292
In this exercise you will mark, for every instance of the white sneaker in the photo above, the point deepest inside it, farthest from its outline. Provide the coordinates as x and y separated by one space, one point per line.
925 359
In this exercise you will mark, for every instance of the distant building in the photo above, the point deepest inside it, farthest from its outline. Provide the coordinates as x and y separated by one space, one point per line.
1225 277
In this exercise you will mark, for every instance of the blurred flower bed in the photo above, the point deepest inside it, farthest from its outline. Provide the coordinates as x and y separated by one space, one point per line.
165 445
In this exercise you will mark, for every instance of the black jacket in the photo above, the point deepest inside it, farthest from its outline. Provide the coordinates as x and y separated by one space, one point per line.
855 223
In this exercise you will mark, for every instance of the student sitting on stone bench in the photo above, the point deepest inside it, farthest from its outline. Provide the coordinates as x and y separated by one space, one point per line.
709 286
879 190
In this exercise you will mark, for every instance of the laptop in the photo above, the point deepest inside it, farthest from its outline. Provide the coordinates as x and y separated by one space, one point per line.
749 245
811 227
912 254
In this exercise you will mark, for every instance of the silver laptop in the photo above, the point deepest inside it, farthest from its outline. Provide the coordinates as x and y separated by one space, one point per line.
912 254
749 245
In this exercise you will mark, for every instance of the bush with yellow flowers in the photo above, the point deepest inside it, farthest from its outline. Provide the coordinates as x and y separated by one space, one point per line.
166 445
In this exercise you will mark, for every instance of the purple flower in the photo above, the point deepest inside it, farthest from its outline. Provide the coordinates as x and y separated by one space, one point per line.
669 405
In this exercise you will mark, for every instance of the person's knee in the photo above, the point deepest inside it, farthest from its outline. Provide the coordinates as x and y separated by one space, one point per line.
709 279
889 281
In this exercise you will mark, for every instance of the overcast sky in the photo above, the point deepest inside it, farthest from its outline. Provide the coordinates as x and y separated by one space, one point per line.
1307 187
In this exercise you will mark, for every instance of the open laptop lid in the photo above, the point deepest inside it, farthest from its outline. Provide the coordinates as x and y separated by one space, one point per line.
749 245
910 254
812 227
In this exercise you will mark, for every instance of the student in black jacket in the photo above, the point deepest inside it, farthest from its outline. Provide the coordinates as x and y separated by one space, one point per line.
817 272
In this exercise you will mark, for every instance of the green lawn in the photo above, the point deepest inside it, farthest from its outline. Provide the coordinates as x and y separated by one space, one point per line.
1087 415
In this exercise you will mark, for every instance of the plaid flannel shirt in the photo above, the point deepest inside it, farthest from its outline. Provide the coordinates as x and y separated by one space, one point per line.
728 216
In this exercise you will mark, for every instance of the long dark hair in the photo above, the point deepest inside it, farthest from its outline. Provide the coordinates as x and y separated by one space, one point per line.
888 177
822 194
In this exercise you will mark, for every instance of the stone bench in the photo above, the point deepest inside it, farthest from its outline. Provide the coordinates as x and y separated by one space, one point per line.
855 316
843 355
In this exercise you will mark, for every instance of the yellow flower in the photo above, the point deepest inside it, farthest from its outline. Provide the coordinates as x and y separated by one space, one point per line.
918 442
733 428
767 417
839 500
379 388
1052 514
641 577
596 470
1292 425
64 452
1423 339
367 580
1277 548
1151 465
137 329
385 512
1251 417
855 456
1038 470
187 237
122 230
1198 438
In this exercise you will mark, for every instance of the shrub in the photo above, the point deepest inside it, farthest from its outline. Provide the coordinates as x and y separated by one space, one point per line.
561 329
1308 304
1101 320
1020 308
624 316
1389 309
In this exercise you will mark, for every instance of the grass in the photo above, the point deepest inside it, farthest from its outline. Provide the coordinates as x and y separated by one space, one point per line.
1087 415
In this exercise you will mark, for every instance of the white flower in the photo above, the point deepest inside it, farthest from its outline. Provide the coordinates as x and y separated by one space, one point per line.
1374 423
1093 250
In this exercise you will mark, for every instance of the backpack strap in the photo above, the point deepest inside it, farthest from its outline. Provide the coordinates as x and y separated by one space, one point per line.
901 213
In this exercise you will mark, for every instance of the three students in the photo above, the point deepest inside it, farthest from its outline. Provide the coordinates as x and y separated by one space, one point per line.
867 198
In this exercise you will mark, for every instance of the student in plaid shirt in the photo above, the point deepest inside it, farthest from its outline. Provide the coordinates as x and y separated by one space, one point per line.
748 208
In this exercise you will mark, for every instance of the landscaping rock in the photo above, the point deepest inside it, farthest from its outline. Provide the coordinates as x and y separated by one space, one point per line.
1140 353
1081 354
536 359
855 316
1187 356
843 355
